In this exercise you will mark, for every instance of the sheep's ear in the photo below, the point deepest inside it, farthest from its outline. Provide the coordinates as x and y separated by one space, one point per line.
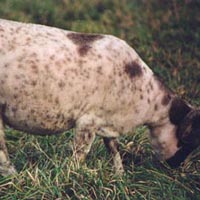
178 111
196 128
196 120
189 130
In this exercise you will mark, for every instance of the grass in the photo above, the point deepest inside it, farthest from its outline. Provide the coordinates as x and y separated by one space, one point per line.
166 34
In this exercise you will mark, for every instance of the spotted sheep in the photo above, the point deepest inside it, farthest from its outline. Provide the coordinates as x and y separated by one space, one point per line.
52 80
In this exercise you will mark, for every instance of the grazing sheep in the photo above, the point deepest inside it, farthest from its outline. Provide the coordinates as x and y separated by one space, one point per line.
52 80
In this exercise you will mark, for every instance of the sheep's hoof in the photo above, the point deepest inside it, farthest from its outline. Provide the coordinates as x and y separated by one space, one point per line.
7 170
119 171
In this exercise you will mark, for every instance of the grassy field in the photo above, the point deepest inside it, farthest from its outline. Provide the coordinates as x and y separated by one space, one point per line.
166 34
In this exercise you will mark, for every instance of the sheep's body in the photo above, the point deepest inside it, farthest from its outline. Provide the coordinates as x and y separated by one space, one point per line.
52 80
46 83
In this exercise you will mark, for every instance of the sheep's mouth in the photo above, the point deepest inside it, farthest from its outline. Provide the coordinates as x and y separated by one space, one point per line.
179 157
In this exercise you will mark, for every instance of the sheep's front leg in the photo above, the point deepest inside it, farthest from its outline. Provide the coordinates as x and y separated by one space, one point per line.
82 143
112 147
84 137
5 166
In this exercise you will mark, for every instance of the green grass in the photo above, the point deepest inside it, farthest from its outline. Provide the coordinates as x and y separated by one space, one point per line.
166 34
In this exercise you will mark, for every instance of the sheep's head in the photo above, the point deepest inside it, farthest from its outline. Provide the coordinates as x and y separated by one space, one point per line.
187 120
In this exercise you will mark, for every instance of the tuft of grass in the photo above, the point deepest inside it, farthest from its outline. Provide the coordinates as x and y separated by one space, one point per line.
47 171
167 37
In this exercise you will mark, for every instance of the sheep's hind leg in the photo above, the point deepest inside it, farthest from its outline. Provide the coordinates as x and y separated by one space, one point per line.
5 166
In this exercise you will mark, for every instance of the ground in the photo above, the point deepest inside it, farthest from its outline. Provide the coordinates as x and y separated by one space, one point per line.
167 36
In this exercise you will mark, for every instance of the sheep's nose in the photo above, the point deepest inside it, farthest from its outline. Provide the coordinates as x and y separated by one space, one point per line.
179 157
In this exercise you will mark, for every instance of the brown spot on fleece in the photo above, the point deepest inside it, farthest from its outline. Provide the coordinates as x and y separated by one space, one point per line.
133 69
84 41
